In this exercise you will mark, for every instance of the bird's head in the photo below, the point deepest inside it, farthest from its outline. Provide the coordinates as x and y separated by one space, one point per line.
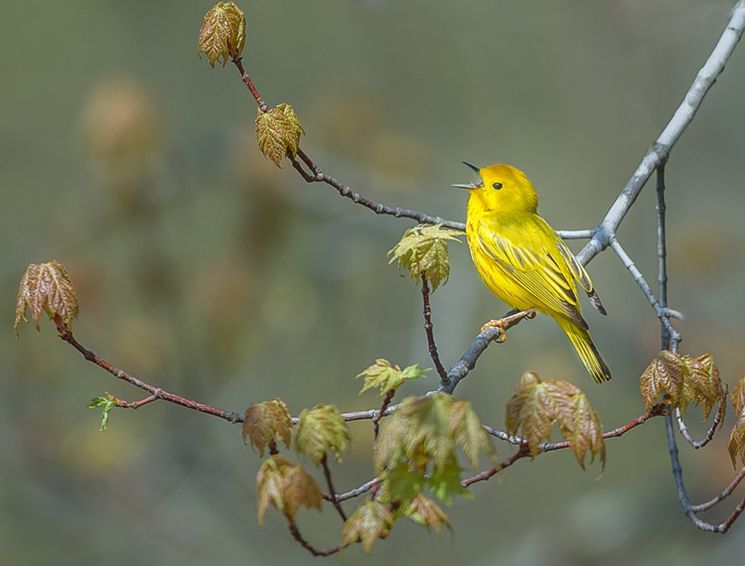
500 188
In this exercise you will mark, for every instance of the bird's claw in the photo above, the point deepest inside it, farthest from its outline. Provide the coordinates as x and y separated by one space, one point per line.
497 323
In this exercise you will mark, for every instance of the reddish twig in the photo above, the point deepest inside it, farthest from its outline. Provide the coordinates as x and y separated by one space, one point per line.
429 331
332 492
156 392
307 545
382 411
494 470
132 404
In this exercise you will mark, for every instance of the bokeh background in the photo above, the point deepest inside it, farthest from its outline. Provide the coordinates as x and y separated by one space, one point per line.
207 271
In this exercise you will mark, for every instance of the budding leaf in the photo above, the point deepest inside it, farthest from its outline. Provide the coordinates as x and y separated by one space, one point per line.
286 486
662 381
583 431
468 432
536 405
223 33
372 520
106 403
737 436
417 447
321 430
679 380
46 287
426 512
423 252
387 377
267 422
278 132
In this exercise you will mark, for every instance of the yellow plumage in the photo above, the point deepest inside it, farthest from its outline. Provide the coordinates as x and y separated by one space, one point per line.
524 262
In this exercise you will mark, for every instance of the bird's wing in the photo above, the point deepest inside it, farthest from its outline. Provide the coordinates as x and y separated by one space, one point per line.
541 272
580 276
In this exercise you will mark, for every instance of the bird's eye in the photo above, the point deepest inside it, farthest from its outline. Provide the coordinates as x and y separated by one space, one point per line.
497 186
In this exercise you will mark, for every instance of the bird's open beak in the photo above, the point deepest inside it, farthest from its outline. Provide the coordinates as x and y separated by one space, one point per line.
470 186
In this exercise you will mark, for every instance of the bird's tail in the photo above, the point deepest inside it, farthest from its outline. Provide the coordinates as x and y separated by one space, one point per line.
586 349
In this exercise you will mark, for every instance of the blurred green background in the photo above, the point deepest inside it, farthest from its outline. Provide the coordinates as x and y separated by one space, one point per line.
209 272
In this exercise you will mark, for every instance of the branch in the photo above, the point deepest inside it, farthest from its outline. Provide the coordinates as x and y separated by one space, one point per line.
428 330
709 433
722 496
356 492
155 392
690 510
332 492
308 546
669 333
656 411
660 150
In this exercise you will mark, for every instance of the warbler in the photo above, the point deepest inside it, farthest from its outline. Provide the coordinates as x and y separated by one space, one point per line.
522 259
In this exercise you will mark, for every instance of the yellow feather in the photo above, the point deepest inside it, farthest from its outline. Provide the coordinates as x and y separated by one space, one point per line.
524 262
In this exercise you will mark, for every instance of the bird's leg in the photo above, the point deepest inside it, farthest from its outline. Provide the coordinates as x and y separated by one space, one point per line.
505 322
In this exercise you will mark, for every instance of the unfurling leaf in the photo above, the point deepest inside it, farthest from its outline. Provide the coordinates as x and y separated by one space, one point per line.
417 447
321 430
679 380
267 422
372 520
426 512
223 33
423 252
286 486
46 287
106 404
535 407
737 436
387 377
278 132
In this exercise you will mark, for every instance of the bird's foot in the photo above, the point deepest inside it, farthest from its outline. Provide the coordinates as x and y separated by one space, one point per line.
505 322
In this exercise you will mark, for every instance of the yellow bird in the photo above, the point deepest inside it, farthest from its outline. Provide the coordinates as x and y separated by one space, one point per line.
522 259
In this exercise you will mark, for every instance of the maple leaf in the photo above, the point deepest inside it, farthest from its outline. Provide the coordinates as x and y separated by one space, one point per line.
537 405
372 520
417 447
679 380
278 132
223 33
387 377
662 381
321 430
468 432
267 422
286 486
702 385
46 287
423 252
736 443
424 511
583 431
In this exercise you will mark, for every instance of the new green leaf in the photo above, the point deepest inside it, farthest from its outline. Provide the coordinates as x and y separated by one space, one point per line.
423 252
321 430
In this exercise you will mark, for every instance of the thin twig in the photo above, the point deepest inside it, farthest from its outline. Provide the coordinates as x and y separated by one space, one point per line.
387 399
66 335
428 330
307 545
356 492
683 428
121 403
332 492
660 150
656 411
722 496
662 314
494 470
